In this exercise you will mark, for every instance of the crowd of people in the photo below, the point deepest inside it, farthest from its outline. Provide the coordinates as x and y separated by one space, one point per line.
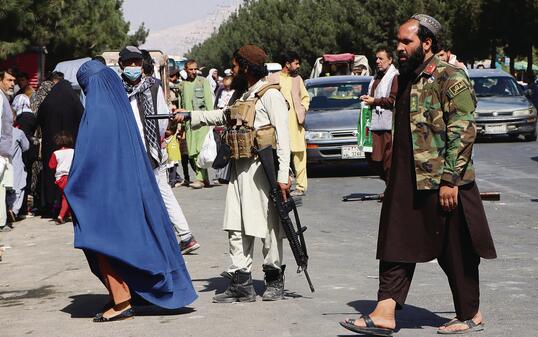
36 124
423 131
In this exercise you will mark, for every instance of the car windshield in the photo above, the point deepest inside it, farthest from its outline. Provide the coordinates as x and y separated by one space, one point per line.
337 96
495 86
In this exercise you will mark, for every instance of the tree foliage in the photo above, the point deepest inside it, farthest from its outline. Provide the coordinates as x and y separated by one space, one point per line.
67 28
313 27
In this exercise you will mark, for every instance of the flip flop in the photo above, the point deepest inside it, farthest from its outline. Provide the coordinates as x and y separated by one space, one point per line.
471 327
370 328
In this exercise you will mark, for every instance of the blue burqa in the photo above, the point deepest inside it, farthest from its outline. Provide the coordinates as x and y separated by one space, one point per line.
117 206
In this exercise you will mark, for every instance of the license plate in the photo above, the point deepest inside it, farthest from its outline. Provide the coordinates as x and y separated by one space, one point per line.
351 152
496 129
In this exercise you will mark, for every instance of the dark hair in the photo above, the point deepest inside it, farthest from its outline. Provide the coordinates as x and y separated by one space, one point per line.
147 63
6 71
386 50
56 76
189 61
424 33
100 59
23 75
64 139
172 126
288 57
256 70
443 45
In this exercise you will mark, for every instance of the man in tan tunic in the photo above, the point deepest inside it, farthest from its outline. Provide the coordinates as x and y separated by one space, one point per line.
249 213
294 90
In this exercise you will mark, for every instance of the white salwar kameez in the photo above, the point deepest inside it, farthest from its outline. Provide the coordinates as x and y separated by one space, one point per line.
249 210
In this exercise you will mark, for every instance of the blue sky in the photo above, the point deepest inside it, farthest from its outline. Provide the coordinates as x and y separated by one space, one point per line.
160 14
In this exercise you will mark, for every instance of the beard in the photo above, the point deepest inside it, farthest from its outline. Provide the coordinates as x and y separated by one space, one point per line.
293 73
408 67
240 83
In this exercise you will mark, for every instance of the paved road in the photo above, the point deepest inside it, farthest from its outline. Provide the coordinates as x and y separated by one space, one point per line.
46 288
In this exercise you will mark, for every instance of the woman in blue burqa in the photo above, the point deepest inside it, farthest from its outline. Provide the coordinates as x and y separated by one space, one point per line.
120 221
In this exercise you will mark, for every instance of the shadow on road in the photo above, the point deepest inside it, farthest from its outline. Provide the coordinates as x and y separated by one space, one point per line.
219 285
342 169
410 317
534 158
88 305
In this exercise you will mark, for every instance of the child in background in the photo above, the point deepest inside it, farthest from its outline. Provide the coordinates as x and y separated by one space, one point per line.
174 155
61 161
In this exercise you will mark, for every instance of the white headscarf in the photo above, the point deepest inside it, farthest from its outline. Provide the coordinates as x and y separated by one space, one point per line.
211 80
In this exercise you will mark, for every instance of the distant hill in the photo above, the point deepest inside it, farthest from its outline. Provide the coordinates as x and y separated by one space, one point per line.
177 40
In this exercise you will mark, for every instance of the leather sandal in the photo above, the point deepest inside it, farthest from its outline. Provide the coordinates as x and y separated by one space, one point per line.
471 327
370 329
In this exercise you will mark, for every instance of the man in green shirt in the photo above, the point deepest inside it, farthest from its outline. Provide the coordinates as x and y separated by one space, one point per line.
196 95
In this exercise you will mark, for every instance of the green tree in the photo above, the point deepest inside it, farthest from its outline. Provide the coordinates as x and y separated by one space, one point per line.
67 28
475 29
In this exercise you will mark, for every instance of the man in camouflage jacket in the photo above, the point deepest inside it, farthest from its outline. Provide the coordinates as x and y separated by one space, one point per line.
443 128
432 207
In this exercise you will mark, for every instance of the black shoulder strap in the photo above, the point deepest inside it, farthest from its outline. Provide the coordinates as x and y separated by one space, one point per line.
154 92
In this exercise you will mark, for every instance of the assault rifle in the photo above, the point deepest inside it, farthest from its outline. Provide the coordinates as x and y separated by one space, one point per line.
187 115
284 208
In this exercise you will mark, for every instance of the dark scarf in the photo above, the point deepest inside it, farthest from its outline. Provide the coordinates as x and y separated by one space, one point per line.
142 94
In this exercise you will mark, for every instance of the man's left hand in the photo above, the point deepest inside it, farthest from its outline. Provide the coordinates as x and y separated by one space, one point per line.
179 118
448 197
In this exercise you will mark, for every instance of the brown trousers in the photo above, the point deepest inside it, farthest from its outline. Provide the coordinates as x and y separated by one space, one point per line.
458 260
379 159
117 288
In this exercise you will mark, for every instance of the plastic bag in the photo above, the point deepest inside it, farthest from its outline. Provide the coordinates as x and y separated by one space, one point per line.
208 151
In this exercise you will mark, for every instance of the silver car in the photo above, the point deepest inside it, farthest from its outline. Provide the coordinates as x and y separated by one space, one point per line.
331 123
502 106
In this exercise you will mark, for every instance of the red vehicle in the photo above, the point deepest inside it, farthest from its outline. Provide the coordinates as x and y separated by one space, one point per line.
31 62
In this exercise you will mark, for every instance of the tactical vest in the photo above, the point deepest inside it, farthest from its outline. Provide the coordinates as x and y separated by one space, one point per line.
241 135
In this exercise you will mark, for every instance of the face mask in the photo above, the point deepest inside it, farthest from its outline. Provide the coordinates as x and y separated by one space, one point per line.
132 73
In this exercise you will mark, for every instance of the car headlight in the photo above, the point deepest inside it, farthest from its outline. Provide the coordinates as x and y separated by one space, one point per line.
317 135
525 112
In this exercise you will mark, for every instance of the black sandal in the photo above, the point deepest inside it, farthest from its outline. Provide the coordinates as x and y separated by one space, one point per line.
471 327
125 314
370 328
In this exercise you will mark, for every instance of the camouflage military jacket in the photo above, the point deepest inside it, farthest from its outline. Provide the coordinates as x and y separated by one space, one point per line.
443 128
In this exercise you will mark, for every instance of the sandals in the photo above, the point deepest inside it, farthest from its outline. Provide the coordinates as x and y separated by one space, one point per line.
370 328
471 327
125 314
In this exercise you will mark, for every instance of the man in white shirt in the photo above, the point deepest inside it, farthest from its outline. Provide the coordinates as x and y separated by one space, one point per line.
147 98
7 84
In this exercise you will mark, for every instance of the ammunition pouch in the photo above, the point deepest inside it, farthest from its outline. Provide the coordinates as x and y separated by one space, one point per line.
243 113
265 136
241 142
241 136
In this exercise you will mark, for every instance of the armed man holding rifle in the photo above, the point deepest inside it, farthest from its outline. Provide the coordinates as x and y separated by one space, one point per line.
257 119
